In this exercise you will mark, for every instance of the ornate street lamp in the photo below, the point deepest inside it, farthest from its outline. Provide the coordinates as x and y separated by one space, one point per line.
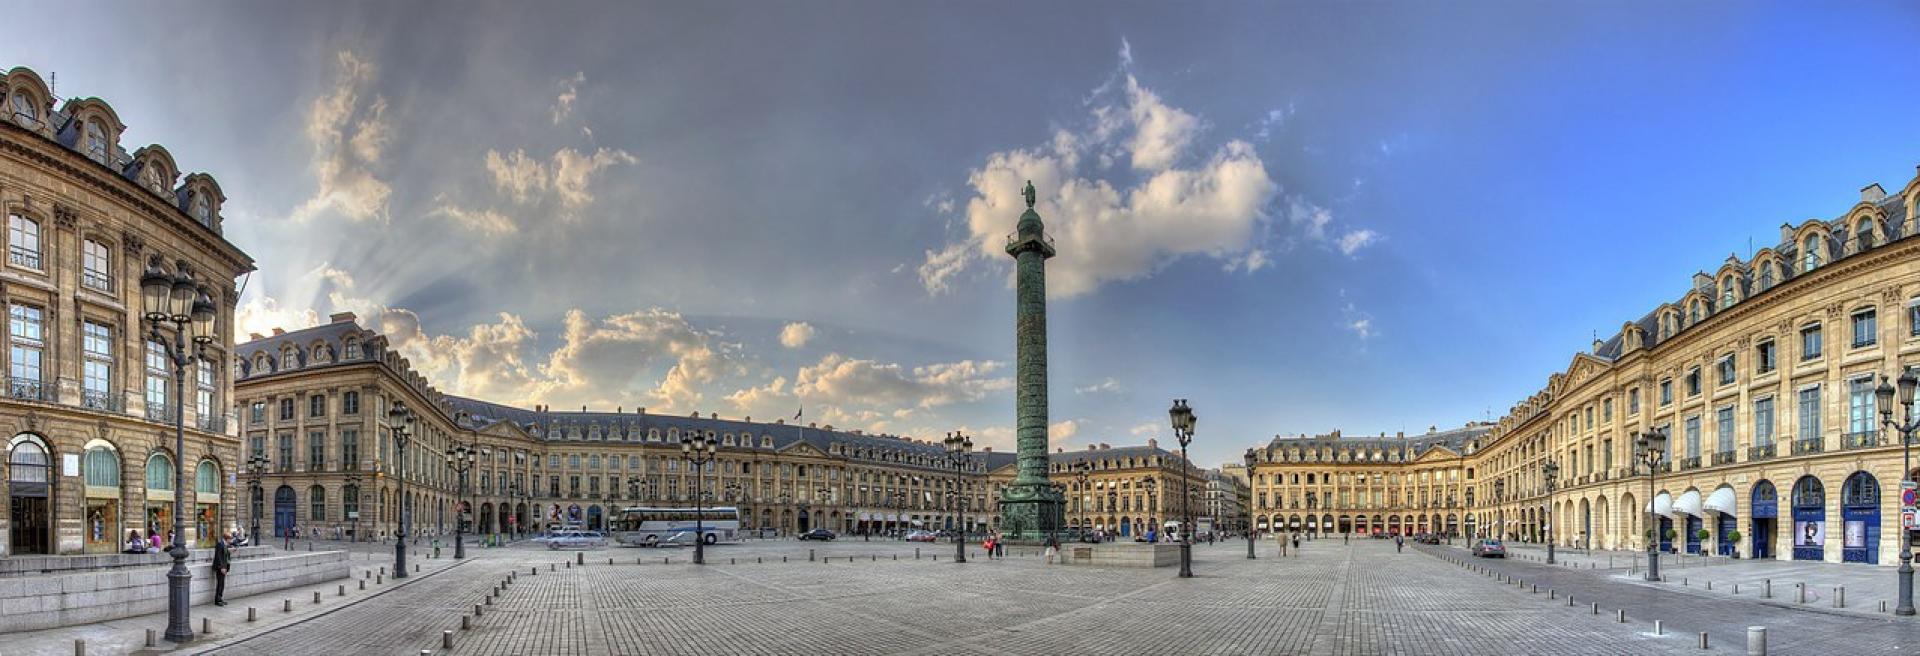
353 483
1650 447
1906 427
1251 456
400 422
1552 471
1499 499
257 466
698 451
1183 420
960 453
1081 469
460 459
174 303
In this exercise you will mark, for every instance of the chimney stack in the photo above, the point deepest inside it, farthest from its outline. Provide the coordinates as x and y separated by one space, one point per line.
341 317
278 332
1151 443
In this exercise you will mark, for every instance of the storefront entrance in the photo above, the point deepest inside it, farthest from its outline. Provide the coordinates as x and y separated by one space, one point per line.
28 513
283 511
1766 513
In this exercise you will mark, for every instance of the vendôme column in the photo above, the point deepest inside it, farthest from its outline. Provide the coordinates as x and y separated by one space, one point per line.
1030 508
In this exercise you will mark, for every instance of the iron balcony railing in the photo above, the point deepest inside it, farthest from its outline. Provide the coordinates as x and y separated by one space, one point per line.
212 423
1723 458
1810 445
96 280
30 389
1761 452
24 257
1690 462
103 401
1860 440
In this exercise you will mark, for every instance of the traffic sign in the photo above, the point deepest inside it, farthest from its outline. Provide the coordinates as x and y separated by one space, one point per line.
1908 497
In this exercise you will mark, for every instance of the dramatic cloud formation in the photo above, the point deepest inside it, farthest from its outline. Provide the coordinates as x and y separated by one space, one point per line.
525 179
1355 240
846 391
569 92
1188 203
348 132
796 334
1063 430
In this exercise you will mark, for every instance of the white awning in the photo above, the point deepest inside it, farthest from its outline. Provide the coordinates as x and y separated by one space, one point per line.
1721 501
1689 503
1662 505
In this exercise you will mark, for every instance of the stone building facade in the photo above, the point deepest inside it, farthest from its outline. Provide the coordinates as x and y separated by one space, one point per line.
314 401
1127 489
1340 484
88 396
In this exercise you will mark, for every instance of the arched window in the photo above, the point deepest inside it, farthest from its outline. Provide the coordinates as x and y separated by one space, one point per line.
1766 276
102 467
29 462
96 141
317 504
350 501
289 358
1693 313
159 472
26 111
200 208
1863 235
261 365
159 180
1726 293
206 481
1810 253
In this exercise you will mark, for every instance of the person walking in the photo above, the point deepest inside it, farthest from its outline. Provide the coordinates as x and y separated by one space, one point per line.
1399 544
1296 542
1053 548
222 561
988 545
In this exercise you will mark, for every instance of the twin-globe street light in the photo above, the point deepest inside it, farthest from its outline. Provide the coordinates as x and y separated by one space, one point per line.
960 451
1251 457
460 459
698 451
1650 447
176 299
1906 427
400 423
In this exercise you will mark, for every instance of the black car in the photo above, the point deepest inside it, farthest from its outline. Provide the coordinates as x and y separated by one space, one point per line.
818 534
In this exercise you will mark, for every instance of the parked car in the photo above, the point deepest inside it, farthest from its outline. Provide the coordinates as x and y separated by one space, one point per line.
818 534
576 540
1489 549
923 536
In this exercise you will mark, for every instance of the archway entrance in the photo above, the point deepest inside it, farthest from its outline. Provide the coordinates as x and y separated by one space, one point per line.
28 491
1766 513
803 525
1809 519
1860 512
283 511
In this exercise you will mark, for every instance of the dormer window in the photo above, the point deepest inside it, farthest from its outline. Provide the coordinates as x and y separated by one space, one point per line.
1693 313
1864 235
353 349
1810 253
201 208
157 178
1766 276
1726 293
25 111
289 359
96 141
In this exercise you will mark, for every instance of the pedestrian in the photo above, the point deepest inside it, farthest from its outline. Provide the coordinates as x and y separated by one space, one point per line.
222 561
1296 542
1399 544
1053 548
988 544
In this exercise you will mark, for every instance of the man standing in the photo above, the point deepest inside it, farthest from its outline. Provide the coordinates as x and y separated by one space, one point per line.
222 561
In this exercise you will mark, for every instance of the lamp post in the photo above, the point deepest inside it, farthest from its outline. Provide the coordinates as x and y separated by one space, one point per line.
1500 498
175 303
256 467
960 452
1552 471
698 452
460 460
1152 486
1251 457
1183 419
1651 447
400 422
1909 381
1081 470
353 483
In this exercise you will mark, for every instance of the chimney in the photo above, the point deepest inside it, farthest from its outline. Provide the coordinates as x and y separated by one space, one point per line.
713 415
1059 450
1104 446
278 332
341 317
1151 443
619 409
255 336
1596 346
640 411
812 425
1872 193
748 419
1093 447
989 449
779 422
1400 434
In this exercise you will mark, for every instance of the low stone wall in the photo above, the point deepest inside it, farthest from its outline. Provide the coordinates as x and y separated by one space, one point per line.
1120 554
125 590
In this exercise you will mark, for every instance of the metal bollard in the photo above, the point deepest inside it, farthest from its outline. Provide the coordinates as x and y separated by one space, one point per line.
1736 588
343 591
1800 592
1553 594
377 580
809 555
916 553
316 596
79 647
1840 596
416 568
383 570
1767 592
1622 617
489 600
149 637
1883 605
1659 628
1703 639
466 622
1569 601
1596 608
1709 585
206 625
758 560
286 605
252 614
1756 641
581 558
476 610
363 584
446 639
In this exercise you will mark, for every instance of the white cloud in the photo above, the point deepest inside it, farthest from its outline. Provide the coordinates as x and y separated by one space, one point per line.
1161 132
1251 261
569 92
1063 430
349 132
1357 320
1105 385
572 171
566 179
515 174
860 393
1362 328
1146 429
1275 119
795 335
1355 240
487 221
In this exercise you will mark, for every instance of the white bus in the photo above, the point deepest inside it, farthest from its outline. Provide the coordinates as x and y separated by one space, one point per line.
649 527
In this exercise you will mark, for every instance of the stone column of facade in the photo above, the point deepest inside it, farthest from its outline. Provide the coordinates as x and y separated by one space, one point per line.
1030 508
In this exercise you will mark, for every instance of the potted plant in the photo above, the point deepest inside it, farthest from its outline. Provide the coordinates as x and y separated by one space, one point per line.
1733 537
1670 534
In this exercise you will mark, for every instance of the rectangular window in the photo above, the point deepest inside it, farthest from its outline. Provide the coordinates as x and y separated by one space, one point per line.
1865 332
1589 417
317 451
23 241
1913 317
286 452
1693 382
1726 370
259 412
258 444
1763 422
1809 413
1606 453
1693 436
1860 410
1666 393
27 343
350 403
349 449
1810 342
1723 429
1633 402
1763 357
1606 410
157 406
96 343
95 267
286 409
203 386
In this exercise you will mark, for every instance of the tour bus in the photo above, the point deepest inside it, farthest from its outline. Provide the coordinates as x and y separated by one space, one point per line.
650 527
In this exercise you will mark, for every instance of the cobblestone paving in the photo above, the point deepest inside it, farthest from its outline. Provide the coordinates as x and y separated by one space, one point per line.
1333 599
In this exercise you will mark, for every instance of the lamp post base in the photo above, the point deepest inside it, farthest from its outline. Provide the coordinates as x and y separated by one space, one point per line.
459 545
1186 560
1653 566
179 599
400 556
1249 546
1905 606
1550 553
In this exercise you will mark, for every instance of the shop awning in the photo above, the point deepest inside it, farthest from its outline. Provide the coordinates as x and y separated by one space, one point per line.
1662 504
1721 501
1689 503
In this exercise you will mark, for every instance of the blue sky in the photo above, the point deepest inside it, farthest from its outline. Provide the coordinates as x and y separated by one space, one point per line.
1365 216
